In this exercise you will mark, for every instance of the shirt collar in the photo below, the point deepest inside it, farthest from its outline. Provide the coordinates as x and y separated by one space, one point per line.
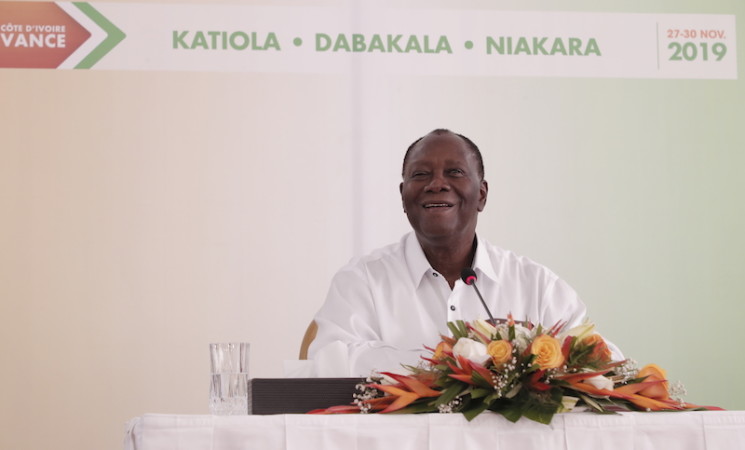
418 265
416 262
482 262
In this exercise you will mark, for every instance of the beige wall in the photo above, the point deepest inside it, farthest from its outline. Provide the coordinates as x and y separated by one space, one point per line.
146 214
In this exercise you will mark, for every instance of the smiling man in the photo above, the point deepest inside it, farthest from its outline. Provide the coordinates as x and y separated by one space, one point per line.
384 307
443 190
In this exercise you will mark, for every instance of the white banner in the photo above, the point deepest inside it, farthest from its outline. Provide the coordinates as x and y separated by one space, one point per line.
438 42
207 37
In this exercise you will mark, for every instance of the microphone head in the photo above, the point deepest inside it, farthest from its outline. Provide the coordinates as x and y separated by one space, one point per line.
468 275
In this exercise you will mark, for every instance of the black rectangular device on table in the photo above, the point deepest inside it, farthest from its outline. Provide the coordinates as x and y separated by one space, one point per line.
298 395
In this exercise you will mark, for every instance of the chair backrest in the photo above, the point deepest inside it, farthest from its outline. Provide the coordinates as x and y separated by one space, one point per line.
310 334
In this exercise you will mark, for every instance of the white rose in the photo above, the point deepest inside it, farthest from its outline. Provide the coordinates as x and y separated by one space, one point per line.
472 350
600 382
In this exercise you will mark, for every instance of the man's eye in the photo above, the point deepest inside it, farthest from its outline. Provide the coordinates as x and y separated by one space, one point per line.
418 174
456 172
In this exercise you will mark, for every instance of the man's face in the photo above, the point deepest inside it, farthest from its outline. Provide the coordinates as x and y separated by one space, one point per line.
442 191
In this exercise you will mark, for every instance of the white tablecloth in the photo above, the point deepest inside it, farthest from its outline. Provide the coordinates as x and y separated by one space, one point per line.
712 430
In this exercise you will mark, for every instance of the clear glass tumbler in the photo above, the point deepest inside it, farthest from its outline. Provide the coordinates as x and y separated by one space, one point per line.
229 378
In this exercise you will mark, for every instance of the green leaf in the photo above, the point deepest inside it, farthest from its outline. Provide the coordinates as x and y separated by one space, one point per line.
539 415
449 394
491 398
471 413
463 328
458 328
597 407
453 328
512 412
478 379
541 407
529 362
425 407
480 392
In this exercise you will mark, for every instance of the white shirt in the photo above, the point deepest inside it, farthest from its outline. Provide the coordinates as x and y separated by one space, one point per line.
386 306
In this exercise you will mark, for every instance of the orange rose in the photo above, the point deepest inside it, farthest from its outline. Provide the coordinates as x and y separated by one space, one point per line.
548 352
653 372
600 351
440 350
500 351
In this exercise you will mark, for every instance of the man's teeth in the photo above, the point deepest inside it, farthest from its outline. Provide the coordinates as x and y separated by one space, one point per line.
436 205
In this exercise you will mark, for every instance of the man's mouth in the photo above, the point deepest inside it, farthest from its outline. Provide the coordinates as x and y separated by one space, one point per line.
437 205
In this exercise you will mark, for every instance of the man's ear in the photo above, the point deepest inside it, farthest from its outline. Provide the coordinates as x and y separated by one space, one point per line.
483 192
401 192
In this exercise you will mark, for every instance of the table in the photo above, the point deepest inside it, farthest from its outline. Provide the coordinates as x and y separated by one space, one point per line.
712 430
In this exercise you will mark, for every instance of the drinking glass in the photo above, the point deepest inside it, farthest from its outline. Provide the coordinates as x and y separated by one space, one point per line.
229 378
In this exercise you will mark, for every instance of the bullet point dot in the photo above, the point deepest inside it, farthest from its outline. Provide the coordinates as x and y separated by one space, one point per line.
298 42
469 45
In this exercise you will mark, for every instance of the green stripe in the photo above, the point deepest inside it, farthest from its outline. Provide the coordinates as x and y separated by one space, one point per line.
115 36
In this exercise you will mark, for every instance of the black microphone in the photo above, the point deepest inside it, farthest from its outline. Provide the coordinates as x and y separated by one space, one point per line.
469 277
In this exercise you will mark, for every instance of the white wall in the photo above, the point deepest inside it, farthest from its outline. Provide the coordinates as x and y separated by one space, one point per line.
146 214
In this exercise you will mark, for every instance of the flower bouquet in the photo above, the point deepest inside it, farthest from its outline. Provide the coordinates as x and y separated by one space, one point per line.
518 370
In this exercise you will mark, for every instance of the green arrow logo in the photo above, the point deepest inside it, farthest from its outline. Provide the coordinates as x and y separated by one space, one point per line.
114 36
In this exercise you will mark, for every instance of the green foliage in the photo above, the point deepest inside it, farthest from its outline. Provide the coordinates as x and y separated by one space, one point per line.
449 394
519 386
473 411
459 329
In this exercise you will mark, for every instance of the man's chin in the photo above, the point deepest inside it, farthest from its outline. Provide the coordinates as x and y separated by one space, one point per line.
438 233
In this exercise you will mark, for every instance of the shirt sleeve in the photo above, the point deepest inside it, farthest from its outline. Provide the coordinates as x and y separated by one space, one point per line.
561 302
348 319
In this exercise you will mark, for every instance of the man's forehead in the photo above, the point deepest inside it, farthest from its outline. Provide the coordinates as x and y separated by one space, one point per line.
439 142
435 137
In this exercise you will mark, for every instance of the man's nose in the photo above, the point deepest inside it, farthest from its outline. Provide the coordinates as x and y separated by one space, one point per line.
438 183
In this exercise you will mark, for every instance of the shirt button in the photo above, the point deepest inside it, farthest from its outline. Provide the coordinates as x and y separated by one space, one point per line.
452 307
434 274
